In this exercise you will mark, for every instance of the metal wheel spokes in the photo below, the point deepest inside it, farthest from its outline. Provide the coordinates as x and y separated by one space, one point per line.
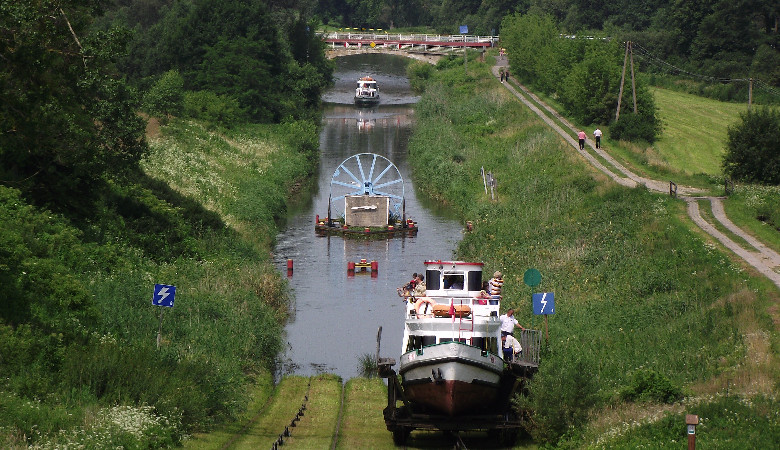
366 174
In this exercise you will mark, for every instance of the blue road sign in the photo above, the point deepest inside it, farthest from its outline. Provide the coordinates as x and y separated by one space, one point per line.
163 295
544 303
464 29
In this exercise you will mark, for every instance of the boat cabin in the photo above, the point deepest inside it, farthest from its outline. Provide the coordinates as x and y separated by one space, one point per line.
453 309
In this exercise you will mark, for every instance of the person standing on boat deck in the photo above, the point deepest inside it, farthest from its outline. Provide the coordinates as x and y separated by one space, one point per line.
495 284
419 288
508 323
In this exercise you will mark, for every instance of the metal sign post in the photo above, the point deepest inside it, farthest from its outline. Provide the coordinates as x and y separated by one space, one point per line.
163 295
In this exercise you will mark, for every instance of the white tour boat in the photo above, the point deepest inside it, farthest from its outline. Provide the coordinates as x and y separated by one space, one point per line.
366 92
450 362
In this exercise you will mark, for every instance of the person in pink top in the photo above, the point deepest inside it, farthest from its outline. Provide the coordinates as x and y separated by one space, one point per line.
581 135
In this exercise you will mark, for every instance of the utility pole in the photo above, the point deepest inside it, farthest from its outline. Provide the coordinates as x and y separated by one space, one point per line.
633 81
750 93
623 80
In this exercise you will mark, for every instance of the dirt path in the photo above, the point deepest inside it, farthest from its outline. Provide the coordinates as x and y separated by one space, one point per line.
765 260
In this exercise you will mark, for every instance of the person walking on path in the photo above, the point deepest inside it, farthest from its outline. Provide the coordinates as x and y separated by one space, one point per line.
597 135
506 75
581 135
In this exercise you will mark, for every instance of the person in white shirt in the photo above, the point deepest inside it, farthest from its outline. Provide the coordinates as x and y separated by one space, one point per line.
512 347
597 135
508 323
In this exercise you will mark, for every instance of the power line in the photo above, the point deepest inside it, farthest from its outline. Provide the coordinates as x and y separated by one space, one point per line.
671 68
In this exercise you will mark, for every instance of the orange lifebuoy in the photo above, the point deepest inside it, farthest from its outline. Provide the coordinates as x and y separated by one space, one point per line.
422 301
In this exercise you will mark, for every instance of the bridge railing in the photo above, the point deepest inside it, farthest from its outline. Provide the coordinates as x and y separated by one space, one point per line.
407 37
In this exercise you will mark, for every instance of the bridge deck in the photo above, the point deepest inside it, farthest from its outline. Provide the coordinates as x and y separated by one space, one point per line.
413 40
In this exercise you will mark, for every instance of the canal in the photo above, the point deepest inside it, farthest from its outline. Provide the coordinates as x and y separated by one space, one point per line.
334 318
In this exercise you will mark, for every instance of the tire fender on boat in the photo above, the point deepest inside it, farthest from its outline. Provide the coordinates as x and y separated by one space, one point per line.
428 311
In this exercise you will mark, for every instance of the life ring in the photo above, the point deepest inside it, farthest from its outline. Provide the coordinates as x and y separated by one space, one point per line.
422 301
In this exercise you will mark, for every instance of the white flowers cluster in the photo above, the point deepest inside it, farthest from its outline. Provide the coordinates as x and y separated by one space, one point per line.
118 427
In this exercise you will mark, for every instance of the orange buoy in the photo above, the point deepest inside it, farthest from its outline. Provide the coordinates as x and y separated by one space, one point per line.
374 266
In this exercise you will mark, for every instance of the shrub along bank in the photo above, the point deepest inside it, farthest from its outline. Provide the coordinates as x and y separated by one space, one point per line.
79 365
648 312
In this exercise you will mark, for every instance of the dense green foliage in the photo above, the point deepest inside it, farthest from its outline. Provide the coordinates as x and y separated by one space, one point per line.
584 75
268 60
646 310
715 44
65 118
91 217
753 148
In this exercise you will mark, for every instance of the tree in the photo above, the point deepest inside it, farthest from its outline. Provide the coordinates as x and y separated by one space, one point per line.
166 97
752 150
66 118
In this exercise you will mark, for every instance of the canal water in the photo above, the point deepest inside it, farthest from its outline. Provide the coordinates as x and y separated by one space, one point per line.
334 317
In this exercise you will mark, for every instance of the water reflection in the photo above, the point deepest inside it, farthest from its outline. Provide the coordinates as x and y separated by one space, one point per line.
334 318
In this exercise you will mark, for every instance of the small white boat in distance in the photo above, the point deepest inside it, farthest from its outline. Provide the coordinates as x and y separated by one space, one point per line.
366 92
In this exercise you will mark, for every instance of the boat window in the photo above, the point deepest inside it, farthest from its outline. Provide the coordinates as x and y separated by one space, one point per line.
432 280
461 340
475 281
428 340
415 342
478 342
454 281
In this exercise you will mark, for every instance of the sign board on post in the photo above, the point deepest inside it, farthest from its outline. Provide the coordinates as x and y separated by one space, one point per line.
464 29
544 303
163 295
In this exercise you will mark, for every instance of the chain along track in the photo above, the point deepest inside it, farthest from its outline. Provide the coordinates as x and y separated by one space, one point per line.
765 260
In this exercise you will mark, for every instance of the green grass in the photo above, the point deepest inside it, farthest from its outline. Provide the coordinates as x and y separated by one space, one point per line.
317 427
748 203
694 135
259 395
635 287
363 425
286 401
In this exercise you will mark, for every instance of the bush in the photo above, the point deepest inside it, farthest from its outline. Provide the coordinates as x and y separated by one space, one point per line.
649 385
418 73
635 127
561 395
752 150
165 97
210 107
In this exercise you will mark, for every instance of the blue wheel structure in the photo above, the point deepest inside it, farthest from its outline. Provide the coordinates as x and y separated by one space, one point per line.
366 174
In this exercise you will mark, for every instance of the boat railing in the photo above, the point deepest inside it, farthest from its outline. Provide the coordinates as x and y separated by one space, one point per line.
531 341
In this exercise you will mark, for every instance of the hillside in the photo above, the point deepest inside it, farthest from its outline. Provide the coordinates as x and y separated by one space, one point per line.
654 321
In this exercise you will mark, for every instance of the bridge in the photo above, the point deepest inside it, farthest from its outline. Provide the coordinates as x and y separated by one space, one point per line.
427 47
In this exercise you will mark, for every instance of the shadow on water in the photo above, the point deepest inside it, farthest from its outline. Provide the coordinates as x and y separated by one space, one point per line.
334 318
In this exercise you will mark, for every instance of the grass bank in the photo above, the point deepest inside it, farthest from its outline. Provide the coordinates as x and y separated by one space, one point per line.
200 216
640 296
